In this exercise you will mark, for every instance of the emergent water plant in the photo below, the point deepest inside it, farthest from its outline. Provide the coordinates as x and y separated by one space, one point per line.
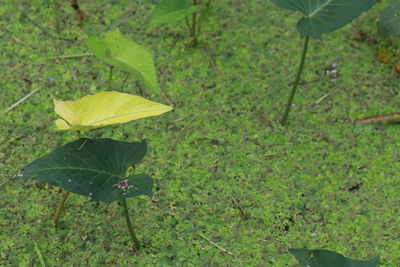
98 168
172 11
320 16
116 51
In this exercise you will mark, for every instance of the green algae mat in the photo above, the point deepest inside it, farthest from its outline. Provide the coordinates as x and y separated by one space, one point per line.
223 182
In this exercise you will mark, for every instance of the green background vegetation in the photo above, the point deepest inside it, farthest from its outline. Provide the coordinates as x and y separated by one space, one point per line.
321 182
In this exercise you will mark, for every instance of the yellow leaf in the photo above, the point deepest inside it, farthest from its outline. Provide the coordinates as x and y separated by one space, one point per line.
103 109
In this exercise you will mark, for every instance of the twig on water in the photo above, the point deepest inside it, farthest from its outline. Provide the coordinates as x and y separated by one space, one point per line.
322 98
21 42
211 59
216 245
21 100
45 31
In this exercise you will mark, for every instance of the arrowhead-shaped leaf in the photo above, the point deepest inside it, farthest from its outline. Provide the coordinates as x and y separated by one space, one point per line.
121 52
93 167
322 16
105 108
389 25
171 11
326 258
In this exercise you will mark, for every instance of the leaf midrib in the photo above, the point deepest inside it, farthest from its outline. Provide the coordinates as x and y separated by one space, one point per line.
319 8
78 169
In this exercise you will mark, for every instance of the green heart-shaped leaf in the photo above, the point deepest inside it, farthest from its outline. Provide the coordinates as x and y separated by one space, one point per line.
171 11
326 258
389 25
93 167
322 16
118 51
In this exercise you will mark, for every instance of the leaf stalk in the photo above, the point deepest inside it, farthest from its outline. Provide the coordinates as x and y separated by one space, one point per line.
60 207
110 77
296 82
136 243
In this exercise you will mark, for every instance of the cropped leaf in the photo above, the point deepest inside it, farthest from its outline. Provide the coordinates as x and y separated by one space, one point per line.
389 25
93 167
105 108
322 16
387 118
326 258
171 11
121 52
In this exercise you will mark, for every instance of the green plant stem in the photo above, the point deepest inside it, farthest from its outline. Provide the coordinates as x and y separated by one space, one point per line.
123 84
64 197
60 207
194 26
130 227
296 82
206 7
110 77
189 26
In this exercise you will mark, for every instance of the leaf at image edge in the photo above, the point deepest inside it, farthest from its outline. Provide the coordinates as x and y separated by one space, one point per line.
321 16
326 258
389 24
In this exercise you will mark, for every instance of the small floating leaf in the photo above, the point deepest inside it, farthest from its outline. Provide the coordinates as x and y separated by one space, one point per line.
103 109
95 168
119 51
326 258
322 16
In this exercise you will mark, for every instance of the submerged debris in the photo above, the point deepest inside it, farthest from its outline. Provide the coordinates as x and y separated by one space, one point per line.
333 72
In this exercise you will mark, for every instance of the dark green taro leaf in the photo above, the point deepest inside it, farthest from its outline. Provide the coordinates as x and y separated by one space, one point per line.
322 16
93 167
389 25
171 11
326 258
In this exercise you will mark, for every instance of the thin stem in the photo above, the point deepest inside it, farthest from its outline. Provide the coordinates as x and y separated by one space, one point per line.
296 82
204 10
110 77
126 79
60 207
130 227
189 26
64 197
194 26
